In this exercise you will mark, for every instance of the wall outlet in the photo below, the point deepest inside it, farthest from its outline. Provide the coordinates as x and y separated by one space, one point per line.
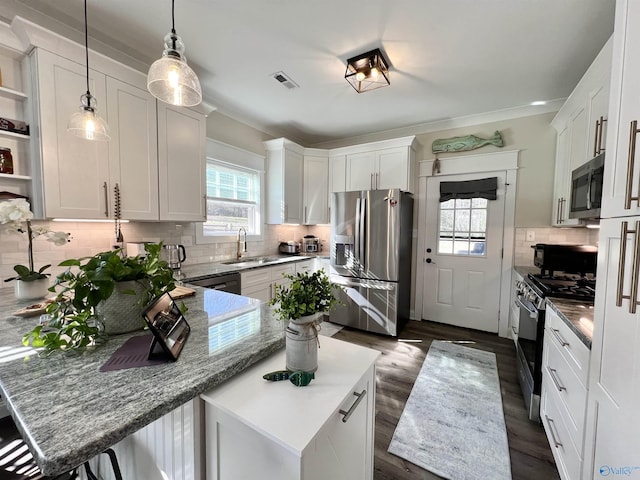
531 236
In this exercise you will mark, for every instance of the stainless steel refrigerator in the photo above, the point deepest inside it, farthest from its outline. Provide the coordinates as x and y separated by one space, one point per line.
371 258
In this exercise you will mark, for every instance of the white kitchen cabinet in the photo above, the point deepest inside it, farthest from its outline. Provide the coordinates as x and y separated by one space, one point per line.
613 418
75 172
275 431
79 176
182 140
337 174
133 149
620 190
579 132
381 170
565 362
284 182
307 266
316 189
377 165
260 282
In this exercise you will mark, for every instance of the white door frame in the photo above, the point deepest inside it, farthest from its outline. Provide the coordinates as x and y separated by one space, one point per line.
487 162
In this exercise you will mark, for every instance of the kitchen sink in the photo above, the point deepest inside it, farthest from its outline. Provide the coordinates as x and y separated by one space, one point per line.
242 262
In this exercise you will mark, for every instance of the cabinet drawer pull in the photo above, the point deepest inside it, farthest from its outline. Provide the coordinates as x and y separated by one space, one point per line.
346 414
106 199
204 201
556 333
600 147
628 195
595 138
633 296
558 219
553 435
553 374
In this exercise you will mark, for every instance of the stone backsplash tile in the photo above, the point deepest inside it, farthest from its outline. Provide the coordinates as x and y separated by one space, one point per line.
524 252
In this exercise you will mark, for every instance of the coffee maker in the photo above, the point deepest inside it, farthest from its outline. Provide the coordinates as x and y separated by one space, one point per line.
310 244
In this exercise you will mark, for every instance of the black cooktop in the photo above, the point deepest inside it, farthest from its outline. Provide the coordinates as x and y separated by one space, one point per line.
565 286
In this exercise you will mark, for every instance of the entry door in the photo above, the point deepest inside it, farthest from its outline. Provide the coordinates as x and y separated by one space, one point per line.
463 255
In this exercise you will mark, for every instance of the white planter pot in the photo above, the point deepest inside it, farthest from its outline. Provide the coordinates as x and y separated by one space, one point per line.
302 343
34 290
122 312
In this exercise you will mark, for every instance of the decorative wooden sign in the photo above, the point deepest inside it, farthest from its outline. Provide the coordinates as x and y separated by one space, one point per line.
467 142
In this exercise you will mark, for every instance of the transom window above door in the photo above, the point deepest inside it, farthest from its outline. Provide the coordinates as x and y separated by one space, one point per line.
463 227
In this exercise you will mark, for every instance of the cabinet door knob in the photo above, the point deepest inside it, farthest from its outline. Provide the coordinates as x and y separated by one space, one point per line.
346 414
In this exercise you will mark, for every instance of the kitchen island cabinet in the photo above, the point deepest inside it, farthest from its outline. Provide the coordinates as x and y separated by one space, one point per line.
276 431
229 333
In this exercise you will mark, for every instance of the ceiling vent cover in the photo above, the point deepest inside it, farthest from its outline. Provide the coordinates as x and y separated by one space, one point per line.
284 79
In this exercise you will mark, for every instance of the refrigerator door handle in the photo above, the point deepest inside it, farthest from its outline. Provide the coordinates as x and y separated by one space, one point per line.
364 233
356 240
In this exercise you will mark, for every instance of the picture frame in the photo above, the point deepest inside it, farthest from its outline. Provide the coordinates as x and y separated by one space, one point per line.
169 328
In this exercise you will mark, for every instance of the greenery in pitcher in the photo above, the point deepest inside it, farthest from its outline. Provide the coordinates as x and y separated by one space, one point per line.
89 281
307 294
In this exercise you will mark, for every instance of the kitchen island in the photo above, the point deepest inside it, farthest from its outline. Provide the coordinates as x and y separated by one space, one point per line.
68 411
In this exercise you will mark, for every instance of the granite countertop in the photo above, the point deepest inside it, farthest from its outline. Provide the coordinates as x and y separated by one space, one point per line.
68 411
577 314
200 271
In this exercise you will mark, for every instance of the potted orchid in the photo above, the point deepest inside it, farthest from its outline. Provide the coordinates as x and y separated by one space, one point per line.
16 217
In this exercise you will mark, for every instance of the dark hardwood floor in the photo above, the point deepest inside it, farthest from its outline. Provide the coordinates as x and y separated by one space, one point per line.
397 369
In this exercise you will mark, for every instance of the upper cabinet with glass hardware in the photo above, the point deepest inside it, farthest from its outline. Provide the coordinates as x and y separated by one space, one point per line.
582 125
621 187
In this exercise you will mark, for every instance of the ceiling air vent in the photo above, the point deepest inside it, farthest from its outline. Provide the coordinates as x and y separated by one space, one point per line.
283 79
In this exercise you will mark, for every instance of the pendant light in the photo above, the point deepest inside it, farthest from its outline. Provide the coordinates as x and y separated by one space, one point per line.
170 79
86 123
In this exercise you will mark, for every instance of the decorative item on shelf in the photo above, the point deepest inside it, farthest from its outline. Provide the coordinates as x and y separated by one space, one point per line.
86 123
6 161
170 79
101 295
368 71
16 216
466 142
14 126
302 304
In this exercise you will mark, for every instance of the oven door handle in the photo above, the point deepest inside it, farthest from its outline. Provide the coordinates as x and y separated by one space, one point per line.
533 313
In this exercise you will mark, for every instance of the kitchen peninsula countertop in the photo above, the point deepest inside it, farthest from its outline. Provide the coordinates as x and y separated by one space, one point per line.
577 314
68 411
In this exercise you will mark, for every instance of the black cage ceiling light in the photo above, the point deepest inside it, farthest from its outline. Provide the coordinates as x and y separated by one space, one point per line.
368 71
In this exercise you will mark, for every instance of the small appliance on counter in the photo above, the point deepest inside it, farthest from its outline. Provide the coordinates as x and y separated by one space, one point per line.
310 244
289 247
174 255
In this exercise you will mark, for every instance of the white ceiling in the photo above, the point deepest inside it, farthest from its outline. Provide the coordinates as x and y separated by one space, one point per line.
449 59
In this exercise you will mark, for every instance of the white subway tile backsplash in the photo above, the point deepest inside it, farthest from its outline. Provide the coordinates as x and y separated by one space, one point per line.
524 253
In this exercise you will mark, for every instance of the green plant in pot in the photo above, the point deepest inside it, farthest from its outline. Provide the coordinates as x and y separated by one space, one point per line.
102 294
302 303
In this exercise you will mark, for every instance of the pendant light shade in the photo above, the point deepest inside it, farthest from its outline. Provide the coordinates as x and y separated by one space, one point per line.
170 79
86 123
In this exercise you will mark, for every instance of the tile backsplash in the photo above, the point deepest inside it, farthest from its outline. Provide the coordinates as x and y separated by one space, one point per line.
525 238
89 238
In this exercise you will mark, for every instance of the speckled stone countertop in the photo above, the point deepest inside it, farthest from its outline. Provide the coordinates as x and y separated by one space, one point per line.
68 411
577 314
203 270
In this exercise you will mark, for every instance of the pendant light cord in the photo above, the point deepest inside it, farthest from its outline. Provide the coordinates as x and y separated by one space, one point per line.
86 45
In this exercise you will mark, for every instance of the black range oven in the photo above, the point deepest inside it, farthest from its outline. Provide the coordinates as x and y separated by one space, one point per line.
530 302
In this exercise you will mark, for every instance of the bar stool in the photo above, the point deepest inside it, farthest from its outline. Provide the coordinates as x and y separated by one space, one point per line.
16 462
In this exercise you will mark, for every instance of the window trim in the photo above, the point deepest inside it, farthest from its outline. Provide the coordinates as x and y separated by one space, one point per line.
235 157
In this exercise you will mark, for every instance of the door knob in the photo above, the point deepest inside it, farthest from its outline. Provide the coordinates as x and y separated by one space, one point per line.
428 250
428 260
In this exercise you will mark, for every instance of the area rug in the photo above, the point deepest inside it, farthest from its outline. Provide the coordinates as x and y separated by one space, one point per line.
453 423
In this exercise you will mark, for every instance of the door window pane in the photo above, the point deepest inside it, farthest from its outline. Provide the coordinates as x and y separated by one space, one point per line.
463 227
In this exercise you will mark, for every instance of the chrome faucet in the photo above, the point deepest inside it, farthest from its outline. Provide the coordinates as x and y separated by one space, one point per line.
242 244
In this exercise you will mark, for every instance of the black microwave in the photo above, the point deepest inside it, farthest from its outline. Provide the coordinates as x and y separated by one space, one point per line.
586 189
